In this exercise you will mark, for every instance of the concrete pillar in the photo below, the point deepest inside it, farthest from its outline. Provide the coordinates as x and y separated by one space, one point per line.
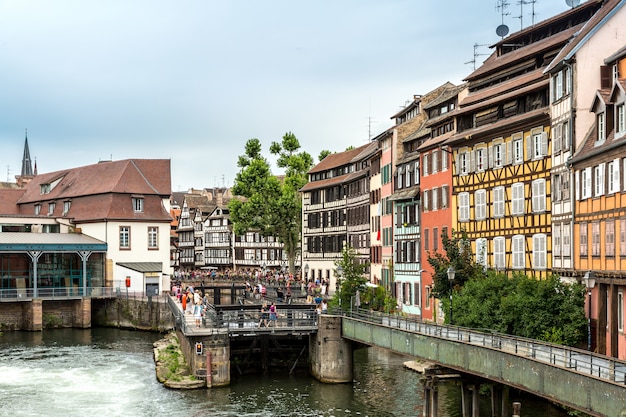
470 400
32 315
330 355
431 398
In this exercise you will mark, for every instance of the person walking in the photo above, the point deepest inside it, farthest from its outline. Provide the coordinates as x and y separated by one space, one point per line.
264 315
273 314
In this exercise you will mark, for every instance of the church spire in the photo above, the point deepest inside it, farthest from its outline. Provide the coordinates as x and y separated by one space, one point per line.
27 165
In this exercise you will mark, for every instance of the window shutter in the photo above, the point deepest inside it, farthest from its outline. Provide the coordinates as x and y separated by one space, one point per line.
529 148
472 161
616 185
508 153
490 156
605 76
544 143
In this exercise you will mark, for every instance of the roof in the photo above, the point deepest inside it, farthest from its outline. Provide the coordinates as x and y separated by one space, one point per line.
129 176
495 62
520 119
504 90
8 200
329 182
143 266
404 194
58 242
335 160
448 93
419 133
617 55
586 32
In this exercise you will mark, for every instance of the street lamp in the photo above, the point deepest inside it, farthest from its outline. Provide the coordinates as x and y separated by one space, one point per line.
306 272
451 273
338 283
590 282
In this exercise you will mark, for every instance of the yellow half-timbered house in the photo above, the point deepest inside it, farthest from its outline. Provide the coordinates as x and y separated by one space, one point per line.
502 152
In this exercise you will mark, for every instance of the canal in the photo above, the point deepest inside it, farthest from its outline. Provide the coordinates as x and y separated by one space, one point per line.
110 372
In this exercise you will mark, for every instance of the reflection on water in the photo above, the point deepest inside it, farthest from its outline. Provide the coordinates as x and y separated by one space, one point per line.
110 372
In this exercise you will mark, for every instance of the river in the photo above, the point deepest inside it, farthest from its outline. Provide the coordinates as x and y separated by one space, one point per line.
110 372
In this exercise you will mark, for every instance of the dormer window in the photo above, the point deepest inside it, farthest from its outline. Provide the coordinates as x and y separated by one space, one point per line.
37 209
44 188
620 123
66 207
137 204
51 208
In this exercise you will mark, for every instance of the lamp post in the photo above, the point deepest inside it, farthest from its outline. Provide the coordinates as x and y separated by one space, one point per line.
451 273
263 267
590 282
306 272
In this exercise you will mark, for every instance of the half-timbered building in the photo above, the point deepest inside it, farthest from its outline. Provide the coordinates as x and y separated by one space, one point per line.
600 208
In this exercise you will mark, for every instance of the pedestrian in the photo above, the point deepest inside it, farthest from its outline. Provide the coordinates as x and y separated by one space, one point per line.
264 315
183 300
273 314
197 313
324 307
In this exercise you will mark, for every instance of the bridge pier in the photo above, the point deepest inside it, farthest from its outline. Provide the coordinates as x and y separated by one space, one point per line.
431 397
330 355
470 399
212 360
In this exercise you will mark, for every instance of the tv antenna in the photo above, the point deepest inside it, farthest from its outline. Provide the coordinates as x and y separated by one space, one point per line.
503 29
476 54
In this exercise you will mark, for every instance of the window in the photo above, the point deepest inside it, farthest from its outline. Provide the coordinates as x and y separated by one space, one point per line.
609 234
426 200
557 138
556 240
539 196
425 171
481 251
566 136
408 175
66 207
464 208
124 237
498 201
435 238
539 251
137 204
517 199
595 239
566 241
464 163
622 237
518 151
600 125
480 159
37 209
51 207
583 239
153 238
498 253
444 159
585 183
498 155
598 189
540 145
613 176
518 251
480 201
620 119
400 177
444 196
435 160
427 239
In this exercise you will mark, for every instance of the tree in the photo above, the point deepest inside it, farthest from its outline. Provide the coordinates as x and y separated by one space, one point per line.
268 205
547 309
458 254
323 154
353 279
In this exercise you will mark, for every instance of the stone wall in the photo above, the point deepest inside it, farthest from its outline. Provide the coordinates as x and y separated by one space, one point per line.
140 313
11 316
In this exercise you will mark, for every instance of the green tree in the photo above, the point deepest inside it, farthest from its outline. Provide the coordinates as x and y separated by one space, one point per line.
323 154
458 254
549 309
270 205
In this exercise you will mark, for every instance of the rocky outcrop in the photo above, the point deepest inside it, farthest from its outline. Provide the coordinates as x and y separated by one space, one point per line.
171 369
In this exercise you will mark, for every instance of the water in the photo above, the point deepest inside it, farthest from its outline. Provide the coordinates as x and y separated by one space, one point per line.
110 372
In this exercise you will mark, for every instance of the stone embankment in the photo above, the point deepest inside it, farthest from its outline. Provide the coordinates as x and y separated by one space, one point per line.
171 369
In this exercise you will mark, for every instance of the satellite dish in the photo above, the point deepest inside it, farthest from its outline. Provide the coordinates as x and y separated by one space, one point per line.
503 30
572 3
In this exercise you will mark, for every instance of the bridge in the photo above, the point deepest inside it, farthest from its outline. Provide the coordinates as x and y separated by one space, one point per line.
592 383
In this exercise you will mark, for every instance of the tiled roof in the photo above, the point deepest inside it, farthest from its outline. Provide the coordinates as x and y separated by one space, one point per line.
495 63
432 142
591 147
335 160
8 200
315 185
419 133
504 90
520 119
580 37
449 93
9 238
129 176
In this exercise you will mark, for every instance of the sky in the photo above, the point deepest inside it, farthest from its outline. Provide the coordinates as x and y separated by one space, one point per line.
193 80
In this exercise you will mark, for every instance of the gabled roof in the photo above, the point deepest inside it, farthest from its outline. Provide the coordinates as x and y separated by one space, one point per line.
579 39
619 88
449 92
602 96
335 160
8 200
129 176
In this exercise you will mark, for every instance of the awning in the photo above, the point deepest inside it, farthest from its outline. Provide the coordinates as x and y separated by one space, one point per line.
404 194
143 267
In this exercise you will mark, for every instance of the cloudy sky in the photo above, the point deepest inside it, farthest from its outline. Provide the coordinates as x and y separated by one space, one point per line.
193 80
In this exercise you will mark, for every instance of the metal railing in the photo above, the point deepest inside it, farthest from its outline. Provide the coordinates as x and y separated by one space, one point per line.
595 365
26 294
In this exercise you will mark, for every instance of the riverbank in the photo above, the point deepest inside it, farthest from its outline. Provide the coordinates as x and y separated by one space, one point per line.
171 369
